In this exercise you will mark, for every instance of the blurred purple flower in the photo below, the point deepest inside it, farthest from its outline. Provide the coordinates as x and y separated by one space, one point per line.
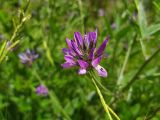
82 52
28 57
101 12
113 26
42 90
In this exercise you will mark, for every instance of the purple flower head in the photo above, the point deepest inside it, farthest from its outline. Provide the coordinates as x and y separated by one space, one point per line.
82 52
28 57
42 90
101 12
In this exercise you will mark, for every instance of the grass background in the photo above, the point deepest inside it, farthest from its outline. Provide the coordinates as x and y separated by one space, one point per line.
133 27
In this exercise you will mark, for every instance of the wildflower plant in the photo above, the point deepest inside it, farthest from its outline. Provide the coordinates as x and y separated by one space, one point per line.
11 44
82 53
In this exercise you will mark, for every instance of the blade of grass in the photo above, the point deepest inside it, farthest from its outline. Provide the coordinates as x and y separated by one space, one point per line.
120 78
157 5
134 78
48 53
140 70
142 22
144 50
152 29
81 14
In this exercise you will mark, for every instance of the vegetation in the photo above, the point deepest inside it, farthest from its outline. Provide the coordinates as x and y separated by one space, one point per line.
131 58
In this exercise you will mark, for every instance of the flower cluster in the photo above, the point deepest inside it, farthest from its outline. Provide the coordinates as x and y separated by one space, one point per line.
42 90
82 52
28 57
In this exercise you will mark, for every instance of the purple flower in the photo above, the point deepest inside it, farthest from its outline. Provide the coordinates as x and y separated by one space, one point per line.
101 12
42 90
82 52
28 57
113 26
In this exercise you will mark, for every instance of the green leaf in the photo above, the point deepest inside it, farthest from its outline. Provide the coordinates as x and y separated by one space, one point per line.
135 109
157 4
152 29
141 17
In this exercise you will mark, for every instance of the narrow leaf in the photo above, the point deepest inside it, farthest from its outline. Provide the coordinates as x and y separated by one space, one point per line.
152 29
142 21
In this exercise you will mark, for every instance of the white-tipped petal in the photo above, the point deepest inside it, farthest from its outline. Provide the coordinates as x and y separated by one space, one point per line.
101 71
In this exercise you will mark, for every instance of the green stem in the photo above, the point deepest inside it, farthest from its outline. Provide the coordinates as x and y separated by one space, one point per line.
106 107
102 100
108 92
3 50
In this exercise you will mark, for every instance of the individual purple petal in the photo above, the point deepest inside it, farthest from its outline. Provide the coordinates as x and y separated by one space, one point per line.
93 37
67 65
24 59
83 64
75 48
101 71
78 39
28 51
95 40
35 56
69 43
65 51
82 71
22 56
86 42
42 90
102 47
91 54
70 46
69 59
96 61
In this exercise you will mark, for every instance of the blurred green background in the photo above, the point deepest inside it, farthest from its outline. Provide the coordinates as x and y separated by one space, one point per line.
134 38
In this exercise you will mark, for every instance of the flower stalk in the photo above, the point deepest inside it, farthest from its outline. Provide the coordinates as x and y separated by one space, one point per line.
4 48
107 109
